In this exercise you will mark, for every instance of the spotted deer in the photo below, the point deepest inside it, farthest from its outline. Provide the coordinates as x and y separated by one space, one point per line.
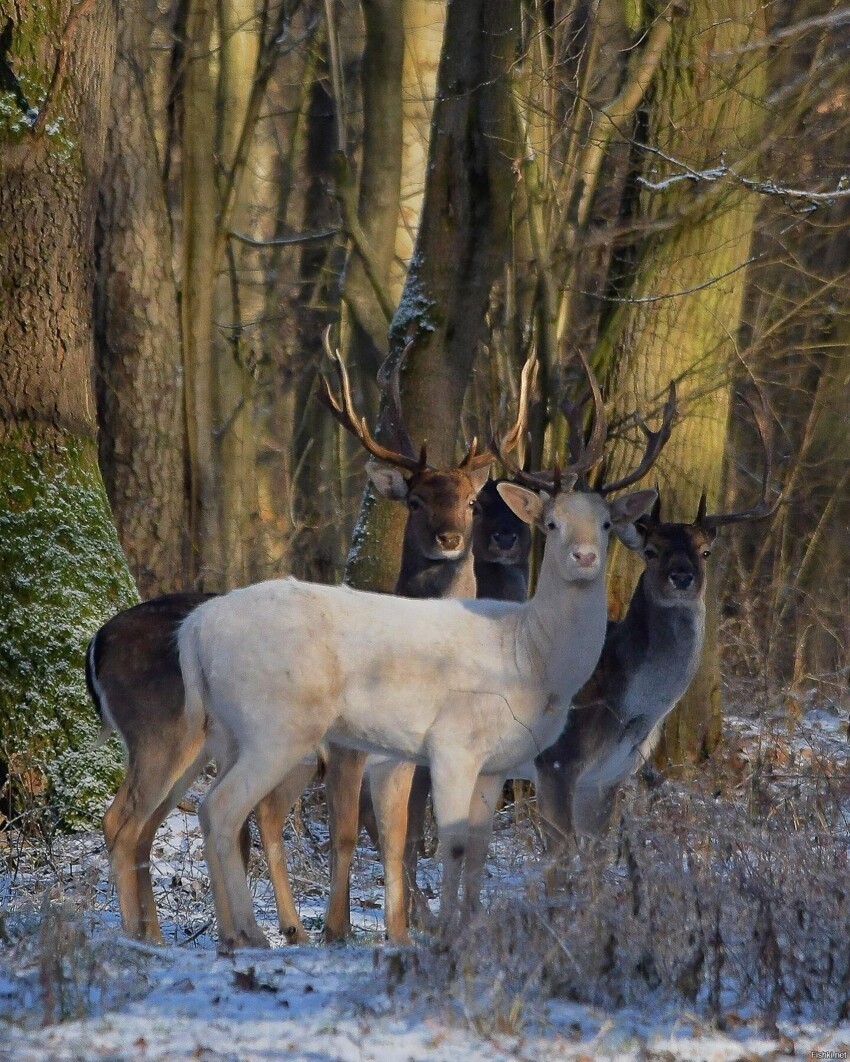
648 660
470 687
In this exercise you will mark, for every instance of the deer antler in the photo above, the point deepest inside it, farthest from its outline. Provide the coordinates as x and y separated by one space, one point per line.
655 442
590 453
763 508
345 413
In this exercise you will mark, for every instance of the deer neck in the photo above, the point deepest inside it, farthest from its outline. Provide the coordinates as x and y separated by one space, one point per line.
561 631
655 649
422 577
501 582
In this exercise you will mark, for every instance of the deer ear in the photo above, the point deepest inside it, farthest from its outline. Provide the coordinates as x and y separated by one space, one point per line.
524 503
632 536
628 507
479 477
388 481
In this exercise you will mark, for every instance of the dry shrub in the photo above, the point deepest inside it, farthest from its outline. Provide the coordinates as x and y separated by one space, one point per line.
720 902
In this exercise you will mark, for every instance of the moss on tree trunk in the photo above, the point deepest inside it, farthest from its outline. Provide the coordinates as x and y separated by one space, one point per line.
62 574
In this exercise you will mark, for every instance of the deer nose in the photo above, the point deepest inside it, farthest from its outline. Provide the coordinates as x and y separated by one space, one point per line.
449 540
585 558
681 580
504 539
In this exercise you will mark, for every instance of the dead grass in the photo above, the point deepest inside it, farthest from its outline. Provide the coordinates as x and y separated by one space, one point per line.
728 893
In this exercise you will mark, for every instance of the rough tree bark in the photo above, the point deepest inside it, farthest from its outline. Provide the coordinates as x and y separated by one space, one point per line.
679 317
137 330
459 252
61 568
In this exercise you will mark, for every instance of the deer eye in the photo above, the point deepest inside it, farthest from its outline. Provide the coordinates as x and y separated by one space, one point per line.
551 525
473 504
650 552
606 526
706 553
414 503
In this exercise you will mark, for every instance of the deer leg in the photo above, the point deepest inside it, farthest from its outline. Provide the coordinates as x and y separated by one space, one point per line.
555 791
343 776
482 808
157 776
121 829
416 905
390 782
154 821
452 782
238 788
271 814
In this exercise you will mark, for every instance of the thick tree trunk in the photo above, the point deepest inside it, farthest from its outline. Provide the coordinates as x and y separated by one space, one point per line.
459 252
61 568
140 375
682 311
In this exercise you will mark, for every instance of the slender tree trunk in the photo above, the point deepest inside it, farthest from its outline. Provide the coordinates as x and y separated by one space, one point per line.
424 24
459 252
61 568
200 207
683 309
237 301
140 378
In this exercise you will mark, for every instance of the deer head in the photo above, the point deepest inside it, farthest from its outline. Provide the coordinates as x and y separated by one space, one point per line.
440 501
576 523
675 554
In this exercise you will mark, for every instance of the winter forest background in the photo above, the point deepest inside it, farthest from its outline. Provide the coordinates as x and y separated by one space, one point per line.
191 192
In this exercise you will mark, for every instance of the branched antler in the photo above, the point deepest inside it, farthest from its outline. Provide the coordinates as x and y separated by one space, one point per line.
655 442
343 410
763 508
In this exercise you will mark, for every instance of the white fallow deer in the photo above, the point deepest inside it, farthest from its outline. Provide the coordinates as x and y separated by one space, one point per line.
394 794
648 661
472 688
436 562
133 676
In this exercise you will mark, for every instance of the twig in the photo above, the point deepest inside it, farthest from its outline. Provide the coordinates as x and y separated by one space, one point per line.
346 197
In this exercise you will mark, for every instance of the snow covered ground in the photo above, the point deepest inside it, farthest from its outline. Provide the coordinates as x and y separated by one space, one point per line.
71 987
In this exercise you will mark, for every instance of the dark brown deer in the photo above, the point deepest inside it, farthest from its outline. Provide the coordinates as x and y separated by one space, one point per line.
648 661
133 676
436 562
501 544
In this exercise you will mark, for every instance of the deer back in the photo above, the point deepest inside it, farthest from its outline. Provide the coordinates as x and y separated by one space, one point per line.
132 662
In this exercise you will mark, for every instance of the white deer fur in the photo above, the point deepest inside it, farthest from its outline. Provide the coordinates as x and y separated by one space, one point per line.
471 687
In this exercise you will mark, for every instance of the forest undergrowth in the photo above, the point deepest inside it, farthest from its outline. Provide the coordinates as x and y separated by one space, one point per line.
723 891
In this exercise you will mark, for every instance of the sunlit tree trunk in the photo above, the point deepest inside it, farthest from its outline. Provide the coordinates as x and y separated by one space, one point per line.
424 23
200 207
680 315
239 299
62 572
140 376
459 252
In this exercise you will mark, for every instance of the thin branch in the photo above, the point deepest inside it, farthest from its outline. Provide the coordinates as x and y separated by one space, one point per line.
283 241
612 117
346 195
